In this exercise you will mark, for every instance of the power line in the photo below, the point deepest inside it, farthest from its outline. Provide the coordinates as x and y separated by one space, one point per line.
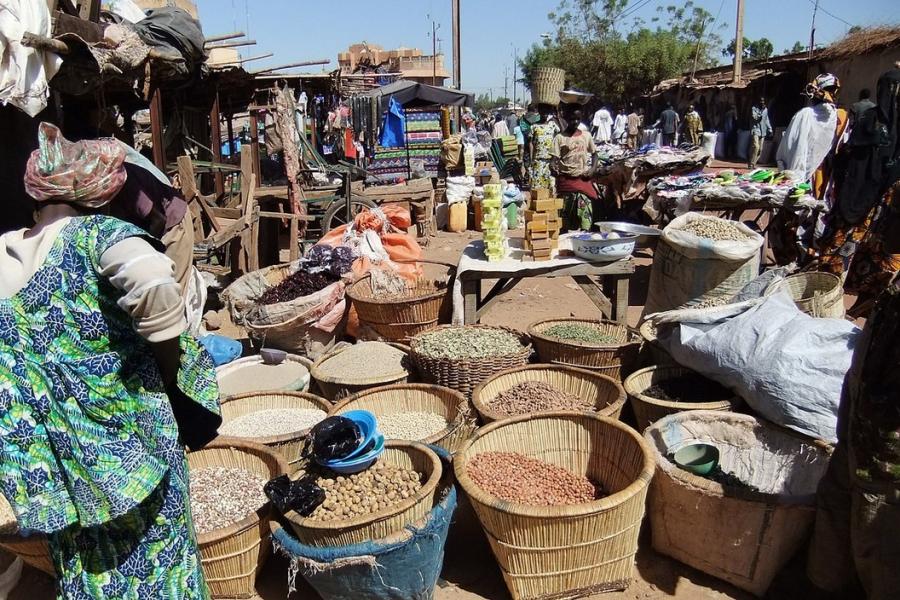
832 15
634 9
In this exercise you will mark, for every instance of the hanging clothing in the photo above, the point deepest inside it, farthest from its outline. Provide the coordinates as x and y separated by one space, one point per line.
602 124
393 131
808 139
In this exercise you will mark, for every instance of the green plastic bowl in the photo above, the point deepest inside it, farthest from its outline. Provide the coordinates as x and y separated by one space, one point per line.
699 459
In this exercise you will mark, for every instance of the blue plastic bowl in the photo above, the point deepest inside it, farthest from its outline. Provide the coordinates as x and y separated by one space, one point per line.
360 463
368 428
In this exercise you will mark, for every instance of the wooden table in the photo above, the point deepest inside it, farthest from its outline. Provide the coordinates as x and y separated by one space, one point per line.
606 284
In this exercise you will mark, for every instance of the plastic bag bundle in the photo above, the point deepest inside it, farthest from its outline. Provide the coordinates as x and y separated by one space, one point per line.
302 496
332 439
89 172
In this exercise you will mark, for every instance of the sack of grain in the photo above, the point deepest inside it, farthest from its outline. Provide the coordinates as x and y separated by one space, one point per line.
702 261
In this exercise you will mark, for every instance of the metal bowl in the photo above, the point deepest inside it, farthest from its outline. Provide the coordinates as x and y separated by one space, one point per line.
647 236
599 247
574 97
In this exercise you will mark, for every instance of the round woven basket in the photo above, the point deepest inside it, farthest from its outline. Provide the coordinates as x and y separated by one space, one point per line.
288 445
338 387
615 359
648 410
422 305
546 84
407 455
466 373
815 293
607 393
564 551
233 555
652 352
301 385
418 397
393 332
33 550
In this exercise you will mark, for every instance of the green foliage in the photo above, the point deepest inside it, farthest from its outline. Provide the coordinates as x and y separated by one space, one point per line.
753 49
484 102
797 47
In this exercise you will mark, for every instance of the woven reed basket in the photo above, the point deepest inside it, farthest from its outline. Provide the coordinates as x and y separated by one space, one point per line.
565 551
422 305
652 352
407 455
232 556
817 294
288 445
338 387
418 397
616 359
466 373
648 410
607 393
546 84
32 550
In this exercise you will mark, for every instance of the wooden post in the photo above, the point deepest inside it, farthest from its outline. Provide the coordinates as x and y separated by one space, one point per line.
216 143
739 42
254 142
230 129
156 130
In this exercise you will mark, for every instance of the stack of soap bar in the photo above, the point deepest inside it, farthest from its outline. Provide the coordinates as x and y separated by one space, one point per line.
496 245
542 224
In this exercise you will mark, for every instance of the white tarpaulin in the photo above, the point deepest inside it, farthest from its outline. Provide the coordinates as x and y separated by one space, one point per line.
24 71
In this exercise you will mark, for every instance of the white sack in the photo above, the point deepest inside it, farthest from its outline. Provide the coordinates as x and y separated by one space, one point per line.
25 71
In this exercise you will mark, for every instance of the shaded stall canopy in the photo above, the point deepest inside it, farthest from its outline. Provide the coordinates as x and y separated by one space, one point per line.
411 93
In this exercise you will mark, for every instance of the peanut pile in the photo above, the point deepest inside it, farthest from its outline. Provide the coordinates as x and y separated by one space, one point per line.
221 496
715 229
521 479
366 492
536 396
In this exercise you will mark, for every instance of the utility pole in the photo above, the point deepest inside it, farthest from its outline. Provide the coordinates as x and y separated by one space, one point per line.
434 29
739 42
457 83
506 82
515 67
812 30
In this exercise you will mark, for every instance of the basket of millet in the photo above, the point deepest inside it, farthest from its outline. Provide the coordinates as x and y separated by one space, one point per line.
461 357
419 412
547 388
399 489
561 499
278 420
231 512
356 367
662 390
400 314
604 346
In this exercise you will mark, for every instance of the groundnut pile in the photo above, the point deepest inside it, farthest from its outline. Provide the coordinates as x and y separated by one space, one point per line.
412 425
366 492
222 496
517 478
536 396
274 421
719 230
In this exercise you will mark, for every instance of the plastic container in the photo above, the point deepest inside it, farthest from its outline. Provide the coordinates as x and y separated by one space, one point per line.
458 217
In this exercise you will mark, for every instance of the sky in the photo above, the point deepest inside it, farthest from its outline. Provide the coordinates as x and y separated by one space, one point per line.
492 30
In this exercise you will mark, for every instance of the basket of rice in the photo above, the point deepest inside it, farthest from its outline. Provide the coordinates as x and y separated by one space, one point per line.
253 374
604 346
353 368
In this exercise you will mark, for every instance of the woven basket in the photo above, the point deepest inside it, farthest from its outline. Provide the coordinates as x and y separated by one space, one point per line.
546 84
301 385
565 551
338 387
408 455
33 550
393 332
607 393
418 397
742 536
288 445
232 556
423 305
616 360
648 410
817 294
652 352
464 374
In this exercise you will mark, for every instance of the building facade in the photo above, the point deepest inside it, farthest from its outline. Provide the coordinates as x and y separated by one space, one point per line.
411 63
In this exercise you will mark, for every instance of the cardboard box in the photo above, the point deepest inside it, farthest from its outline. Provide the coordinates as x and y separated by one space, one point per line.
536 235
537 245
544 205
536 226
533 215
540 194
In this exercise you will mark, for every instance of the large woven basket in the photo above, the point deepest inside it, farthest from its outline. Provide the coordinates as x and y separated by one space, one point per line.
648 409
616 359
466 373
607 393
408 455
418 397
742 536
32 550
301 385
338 387
652 352
288 445
565 551
232 556
546 84
815 293
423 304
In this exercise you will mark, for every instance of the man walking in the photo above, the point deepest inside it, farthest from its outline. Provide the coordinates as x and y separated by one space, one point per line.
760 129
668 123
602 126
693 126
633 128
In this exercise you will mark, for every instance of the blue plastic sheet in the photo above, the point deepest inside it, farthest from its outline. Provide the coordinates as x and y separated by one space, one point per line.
393 132
222 349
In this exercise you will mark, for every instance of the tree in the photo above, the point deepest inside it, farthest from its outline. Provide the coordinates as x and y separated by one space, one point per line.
753 49
796 48
484 102
854 29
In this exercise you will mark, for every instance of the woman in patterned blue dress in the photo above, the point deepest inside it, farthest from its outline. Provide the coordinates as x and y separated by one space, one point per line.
96 374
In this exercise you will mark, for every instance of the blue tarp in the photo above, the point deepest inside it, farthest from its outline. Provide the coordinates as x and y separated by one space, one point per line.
393 132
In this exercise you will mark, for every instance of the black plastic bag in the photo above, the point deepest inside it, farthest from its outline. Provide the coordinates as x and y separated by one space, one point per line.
302 496
332 439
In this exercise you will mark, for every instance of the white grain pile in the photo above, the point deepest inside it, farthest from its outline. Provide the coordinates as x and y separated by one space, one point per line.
412 425
365 360
273 421
258 377
222 496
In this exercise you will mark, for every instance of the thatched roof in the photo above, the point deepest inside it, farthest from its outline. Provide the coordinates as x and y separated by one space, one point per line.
862 42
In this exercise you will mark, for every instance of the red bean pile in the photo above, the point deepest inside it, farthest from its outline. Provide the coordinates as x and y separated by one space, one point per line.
536 396
302 283
518 478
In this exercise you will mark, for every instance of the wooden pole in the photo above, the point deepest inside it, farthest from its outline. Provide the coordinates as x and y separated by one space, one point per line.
812 31
229 128
457 83
739 42
215 132
223 37
257 57
254 142
305 63
231 44
156 130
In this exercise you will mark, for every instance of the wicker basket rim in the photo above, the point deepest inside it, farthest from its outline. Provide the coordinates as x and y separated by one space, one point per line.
256 359
459 399
834 282
482 408
522 336
314 399
315 370
708 485
357 297
676 370
574 510
535 331
427 488
251 520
